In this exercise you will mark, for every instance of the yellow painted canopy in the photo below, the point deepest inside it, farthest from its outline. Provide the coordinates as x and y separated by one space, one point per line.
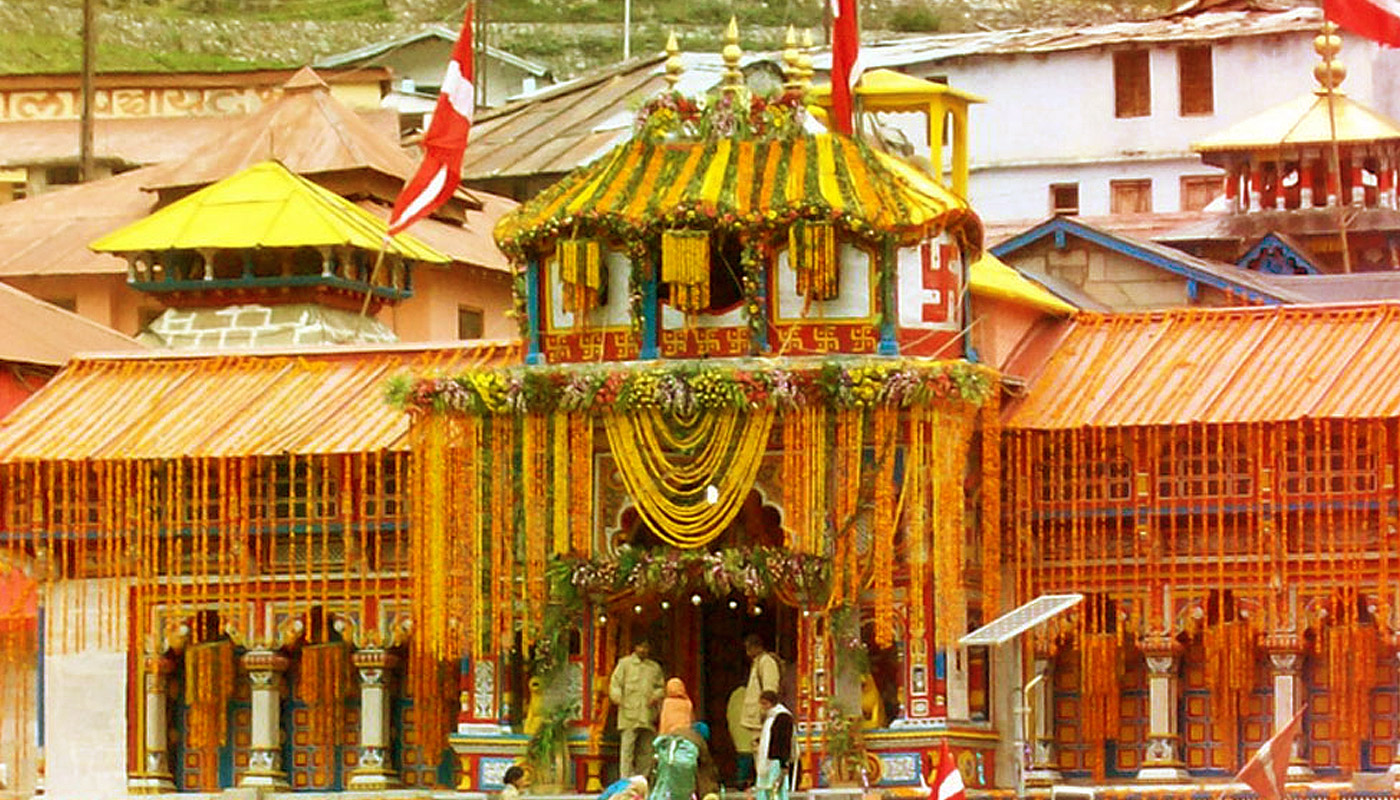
989 276
640 186
1303 121
265 205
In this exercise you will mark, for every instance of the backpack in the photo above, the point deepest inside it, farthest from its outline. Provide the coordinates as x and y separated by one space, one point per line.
677 760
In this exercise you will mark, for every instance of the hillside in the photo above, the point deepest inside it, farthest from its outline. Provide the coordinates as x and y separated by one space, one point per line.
157 35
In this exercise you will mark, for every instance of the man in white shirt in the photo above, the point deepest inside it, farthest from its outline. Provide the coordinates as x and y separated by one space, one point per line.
636 688
765 675
776 753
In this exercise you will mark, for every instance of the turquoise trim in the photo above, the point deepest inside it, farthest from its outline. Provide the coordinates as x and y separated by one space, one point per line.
533 355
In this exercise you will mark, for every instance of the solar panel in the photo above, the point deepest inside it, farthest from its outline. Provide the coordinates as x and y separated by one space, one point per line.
1014 623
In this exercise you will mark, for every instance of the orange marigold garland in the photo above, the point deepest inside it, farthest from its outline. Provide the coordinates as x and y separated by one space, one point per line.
324 685
1352 652
1100 674
991 507
209 683
886 430
1229 672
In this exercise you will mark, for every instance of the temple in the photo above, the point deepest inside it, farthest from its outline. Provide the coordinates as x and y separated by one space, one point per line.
767 382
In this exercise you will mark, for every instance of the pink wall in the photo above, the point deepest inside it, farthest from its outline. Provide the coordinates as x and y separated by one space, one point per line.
431 314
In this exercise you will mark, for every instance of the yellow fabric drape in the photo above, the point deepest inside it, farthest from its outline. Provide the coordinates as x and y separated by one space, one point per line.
689 500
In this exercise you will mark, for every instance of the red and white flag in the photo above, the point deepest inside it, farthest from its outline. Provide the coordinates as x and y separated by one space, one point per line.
1265 773
845 53
446 139
948 781
1374 19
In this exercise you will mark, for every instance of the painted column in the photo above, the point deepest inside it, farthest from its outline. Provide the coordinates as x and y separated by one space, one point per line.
1162 761
1256 188
265 669
1041 702
154 775
1285 650
374 769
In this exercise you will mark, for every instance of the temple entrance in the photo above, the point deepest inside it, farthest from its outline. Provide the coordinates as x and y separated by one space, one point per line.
699 637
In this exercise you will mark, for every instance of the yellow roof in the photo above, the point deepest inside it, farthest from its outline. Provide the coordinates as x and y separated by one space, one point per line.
640 184
303 402
989 276
1303 121
891 85
265 205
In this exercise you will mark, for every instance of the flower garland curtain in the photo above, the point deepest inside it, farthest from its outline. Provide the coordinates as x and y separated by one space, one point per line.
323 684
209 684
1229 674
689 500
1100 674
1352 650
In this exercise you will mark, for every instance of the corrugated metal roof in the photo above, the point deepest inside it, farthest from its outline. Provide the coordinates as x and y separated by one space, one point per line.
302 402
565 126
35 332
265 205
1301 122
308 131
1204 26
368 54
1218 366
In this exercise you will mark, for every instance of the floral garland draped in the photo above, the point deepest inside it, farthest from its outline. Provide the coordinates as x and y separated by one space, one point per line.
209 683
1352 649
1100 675
1229 673
323 684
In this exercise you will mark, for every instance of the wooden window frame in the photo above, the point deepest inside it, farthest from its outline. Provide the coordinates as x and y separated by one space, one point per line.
1132 84
1195 72
1115 186
1064 209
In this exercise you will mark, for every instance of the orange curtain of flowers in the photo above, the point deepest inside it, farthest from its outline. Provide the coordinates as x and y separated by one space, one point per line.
1100 671
1352 649
209 677
1229 674
324 684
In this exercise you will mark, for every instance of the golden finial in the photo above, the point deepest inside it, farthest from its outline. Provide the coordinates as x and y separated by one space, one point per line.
791 79
804 61
1331 72
674 66
733 77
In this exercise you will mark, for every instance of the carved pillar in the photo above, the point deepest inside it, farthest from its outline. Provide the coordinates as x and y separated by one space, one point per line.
153 776
1162 761
1041 704
374 769
265 669
1286 661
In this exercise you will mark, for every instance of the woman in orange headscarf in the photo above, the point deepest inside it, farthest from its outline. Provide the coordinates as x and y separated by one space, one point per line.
677 713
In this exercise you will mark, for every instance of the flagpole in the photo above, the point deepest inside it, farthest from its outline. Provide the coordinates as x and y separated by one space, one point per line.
1329 44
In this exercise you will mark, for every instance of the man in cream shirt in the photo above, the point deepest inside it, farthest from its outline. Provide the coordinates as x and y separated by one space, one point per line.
636 689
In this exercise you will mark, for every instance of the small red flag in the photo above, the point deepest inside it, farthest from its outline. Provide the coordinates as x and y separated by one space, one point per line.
948 781
1374 19
437 177
1266 772
845 52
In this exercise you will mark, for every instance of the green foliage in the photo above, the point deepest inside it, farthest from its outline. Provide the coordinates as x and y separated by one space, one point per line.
913 16
552 737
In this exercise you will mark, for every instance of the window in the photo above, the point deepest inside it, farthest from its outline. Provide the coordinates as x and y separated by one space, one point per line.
1197 81
1197 191
1130 196
1132 84
1064 198
471 323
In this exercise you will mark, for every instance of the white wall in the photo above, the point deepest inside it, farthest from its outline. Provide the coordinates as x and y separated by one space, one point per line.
1050 117
85 681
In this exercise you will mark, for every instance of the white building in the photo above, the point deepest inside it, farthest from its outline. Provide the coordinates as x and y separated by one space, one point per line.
1099 119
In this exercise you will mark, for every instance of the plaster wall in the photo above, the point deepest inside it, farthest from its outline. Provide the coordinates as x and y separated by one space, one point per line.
85 690
430 315
1050 117
997 327
102 298
1117 281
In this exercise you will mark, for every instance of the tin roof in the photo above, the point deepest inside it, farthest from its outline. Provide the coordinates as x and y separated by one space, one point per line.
1202 26
1300 122
35 332
308 131
368 54
265 205
326 400
1218 366
567 125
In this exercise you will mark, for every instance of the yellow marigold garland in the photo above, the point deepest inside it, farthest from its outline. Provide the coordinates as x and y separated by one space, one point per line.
324 685
1352 649
209 683
1229 672
1100 673
685 265
812 248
